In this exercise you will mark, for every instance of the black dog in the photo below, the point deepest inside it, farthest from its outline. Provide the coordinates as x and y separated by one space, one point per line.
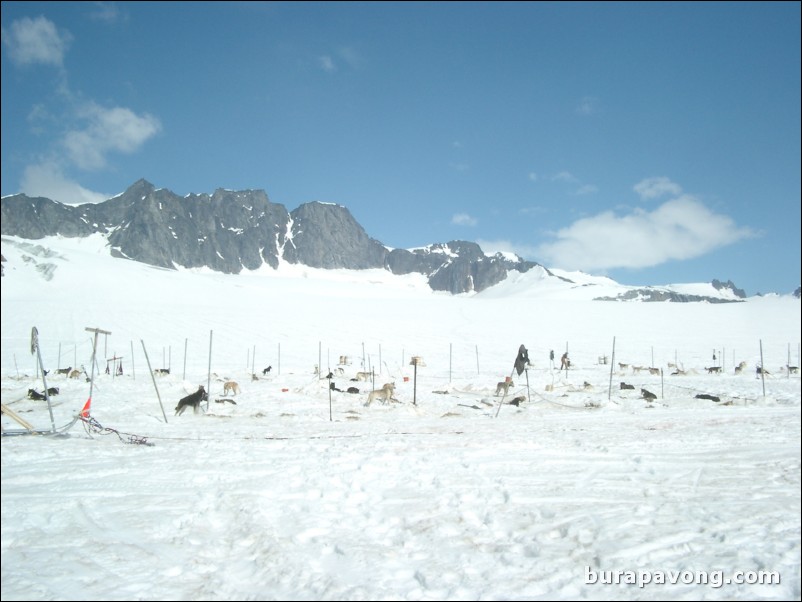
647 395
266 370
34 394
626 386
192 400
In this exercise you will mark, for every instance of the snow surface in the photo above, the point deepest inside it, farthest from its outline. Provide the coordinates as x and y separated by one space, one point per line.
297 492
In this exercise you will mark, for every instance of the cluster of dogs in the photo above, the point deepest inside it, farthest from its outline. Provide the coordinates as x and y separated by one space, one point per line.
710 369
34 394
386 393
70 372
193 400
638 369
645 393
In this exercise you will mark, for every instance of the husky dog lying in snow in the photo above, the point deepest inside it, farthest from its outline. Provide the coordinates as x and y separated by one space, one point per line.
192 400
385 394
230 386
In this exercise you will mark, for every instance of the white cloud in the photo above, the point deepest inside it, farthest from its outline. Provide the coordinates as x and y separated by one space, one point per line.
47 180
463 219
586 106
680 229
533 210
532 176
564 176
108 12
32 41
116 129
652 188
351 57
345 56
326 63
567 177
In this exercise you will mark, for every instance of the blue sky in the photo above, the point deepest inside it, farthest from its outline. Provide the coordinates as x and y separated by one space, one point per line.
654 143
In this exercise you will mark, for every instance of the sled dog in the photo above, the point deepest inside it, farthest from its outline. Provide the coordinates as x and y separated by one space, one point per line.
504 386
192 400
385 394
230 386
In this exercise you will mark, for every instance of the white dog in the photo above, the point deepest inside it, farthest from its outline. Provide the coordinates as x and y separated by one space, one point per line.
385 394
230 386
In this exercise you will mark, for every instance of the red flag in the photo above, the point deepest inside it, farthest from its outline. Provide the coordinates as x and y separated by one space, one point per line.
85 411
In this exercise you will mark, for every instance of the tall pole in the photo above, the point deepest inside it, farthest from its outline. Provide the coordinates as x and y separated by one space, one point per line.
328 376
97 331
450 345
35 347
415 385
612 363
209 373
152 377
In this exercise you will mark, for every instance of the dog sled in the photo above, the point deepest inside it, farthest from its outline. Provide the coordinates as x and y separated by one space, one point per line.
29 429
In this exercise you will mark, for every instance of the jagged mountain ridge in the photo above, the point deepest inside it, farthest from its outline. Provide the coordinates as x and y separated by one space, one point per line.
229 231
